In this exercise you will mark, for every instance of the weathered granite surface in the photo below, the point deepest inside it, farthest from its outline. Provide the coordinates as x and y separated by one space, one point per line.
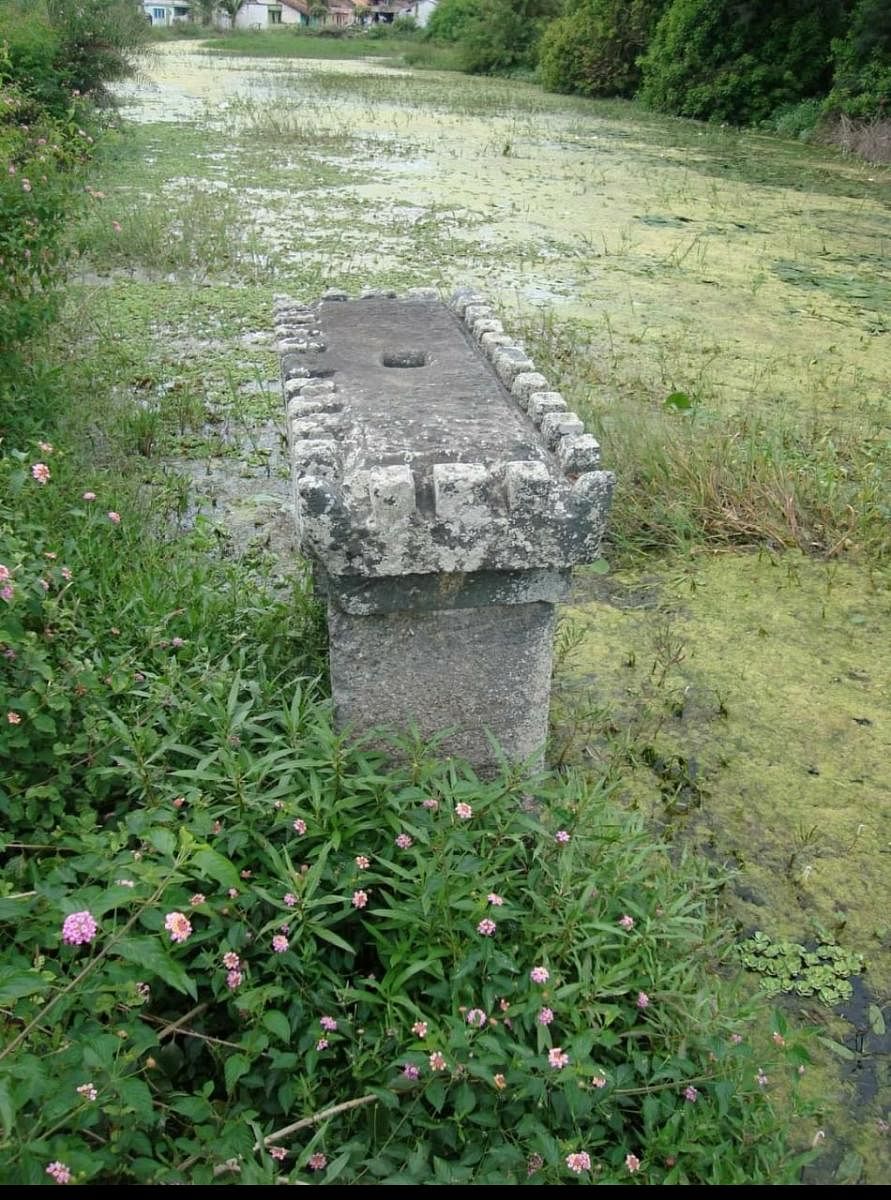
443 492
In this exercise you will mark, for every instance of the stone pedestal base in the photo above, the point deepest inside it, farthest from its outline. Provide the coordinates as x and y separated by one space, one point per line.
478 673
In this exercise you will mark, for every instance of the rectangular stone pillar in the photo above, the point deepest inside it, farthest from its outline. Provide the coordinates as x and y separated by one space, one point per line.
443 493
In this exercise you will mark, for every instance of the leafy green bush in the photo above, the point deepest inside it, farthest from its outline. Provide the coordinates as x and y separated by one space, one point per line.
281 957
39 158
30 49
797 120
89 642
593 48
723 60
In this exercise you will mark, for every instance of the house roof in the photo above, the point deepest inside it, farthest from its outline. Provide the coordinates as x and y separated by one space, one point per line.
300 6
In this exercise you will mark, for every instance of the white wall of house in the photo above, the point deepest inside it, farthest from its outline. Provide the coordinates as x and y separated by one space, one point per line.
255 14
421 10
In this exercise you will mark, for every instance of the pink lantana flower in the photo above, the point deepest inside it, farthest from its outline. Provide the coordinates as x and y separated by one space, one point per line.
463 811
360 899
279 943
79 928
579 1162
178 926
40 472
59 1172
486 927
539 975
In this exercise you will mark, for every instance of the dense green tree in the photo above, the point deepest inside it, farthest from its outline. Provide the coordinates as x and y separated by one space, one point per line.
503 38
451 19
593 48
862 84
740 60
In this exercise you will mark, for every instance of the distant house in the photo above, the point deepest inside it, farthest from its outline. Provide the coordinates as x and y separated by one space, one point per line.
166 12
259 14
385 12
340 12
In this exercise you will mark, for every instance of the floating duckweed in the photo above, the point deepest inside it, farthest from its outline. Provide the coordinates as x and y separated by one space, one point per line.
824 971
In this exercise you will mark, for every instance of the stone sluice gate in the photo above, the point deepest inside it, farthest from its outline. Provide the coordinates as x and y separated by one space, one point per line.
443 494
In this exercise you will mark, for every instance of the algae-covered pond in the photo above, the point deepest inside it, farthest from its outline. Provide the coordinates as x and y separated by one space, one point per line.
732 665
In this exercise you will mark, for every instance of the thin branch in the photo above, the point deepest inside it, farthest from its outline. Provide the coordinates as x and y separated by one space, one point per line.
193 1033
324 1115
278 1134
174 1026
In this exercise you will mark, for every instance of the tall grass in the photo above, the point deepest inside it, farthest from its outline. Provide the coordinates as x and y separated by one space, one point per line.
716 476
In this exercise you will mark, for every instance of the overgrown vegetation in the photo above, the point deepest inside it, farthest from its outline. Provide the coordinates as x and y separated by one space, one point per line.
741 63
166 739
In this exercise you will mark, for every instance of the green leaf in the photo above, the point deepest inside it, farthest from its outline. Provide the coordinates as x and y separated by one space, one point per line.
838 1048
211 865
327 936
7 1112
679 401
195 1108
163 840
148 953
134 1094
436 1093
850 1168
464 1100
277 1023
14 910
236 1066
876 1020
15 983
335 1168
